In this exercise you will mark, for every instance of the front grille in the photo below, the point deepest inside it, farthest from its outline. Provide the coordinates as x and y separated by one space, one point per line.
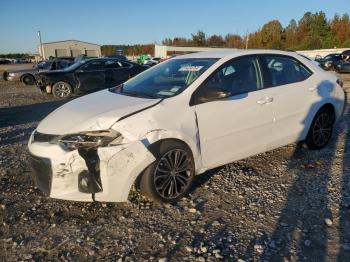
44 138
42 174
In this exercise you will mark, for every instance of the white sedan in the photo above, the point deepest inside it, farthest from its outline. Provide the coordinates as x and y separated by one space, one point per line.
180 118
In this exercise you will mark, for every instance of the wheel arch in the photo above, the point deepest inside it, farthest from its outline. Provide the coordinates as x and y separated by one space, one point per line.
152 148
327 105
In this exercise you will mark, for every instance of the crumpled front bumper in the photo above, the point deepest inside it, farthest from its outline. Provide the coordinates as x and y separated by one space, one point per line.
56 172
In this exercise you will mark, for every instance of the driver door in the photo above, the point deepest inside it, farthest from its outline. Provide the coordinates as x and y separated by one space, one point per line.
240 124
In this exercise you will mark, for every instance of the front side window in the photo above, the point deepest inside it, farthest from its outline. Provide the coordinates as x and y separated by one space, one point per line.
238 76
167 79
282 70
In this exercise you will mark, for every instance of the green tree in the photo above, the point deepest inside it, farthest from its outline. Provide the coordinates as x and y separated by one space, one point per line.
199 39
271 35
215 41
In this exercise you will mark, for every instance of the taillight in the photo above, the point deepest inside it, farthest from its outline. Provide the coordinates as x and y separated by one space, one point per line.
339 82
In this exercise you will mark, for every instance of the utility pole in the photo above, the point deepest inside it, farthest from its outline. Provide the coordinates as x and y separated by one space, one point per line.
41 45
246 40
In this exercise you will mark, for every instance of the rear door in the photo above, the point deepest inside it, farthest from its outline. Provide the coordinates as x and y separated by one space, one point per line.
91 76
294 93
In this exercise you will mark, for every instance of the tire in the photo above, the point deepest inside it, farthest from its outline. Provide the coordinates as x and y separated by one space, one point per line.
61 89
321 129
28 80
163 181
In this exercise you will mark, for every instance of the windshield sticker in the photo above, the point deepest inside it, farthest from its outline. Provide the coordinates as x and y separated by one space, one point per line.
165 93
190 68
174 89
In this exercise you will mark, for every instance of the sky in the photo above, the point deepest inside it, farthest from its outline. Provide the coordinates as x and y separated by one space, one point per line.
141 21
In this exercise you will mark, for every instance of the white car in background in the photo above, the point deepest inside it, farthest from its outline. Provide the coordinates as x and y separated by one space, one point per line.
152 61
180 118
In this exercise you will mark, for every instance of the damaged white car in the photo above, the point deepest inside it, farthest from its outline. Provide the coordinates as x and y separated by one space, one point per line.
180 118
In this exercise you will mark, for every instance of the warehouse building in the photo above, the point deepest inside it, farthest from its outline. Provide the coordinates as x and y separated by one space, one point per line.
71 48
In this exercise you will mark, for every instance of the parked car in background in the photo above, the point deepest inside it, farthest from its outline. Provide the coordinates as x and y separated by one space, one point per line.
87 76
328 62
152 61
120 57
180 118
27 76
5 62
343 67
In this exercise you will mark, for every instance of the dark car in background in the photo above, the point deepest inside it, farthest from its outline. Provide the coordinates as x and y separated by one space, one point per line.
27 76
343 67
87 76
329 61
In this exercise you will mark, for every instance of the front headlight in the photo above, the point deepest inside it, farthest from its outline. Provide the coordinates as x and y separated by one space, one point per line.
91 139
12 74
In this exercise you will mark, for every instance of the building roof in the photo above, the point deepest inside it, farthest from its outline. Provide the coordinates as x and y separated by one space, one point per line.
71 40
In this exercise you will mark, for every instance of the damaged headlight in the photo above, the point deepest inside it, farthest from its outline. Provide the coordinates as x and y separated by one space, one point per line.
90 139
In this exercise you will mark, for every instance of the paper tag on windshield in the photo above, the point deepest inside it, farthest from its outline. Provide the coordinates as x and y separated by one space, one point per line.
190 68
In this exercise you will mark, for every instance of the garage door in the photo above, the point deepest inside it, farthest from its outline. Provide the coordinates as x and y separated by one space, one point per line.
61 52
91 53
75 52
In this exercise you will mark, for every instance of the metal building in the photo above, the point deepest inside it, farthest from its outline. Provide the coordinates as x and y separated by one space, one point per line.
68 48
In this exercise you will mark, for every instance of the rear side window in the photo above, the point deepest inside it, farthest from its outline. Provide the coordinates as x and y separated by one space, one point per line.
117 64
282 70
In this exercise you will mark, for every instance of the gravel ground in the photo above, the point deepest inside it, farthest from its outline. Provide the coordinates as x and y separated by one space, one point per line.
289 204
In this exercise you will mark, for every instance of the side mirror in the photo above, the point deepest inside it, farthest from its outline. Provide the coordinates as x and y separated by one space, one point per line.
211 92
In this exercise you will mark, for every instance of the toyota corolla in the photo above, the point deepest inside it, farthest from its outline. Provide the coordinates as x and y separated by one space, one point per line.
180 118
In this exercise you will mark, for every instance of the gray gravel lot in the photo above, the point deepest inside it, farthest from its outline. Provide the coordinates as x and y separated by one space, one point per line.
289 204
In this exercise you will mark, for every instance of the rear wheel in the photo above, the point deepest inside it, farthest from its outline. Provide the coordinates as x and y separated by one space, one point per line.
321 129
28 80
61 89
170 177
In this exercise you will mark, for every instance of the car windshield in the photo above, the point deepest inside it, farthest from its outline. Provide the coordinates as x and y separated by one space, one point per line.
167 79
44 65
75 65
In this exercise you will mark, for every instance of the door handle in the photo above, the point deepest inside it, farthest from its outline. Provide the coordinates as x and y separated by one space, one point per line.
269 100
265 100
262 101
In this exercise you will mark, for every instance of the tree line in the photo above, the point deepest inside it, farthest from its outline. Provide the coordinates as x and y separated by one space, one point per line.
312 31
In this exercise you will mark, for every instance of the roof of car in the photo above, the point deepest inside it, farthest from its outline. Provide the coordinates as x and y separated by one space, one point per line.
233 53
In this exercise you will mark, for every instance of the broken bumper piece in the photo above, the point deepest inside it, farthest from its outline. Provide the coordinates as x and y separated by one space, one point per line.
66 175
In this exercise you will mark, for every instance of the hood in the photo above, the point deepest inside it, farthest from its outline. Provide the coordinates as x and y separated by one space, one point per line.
21 71
51 72
97 111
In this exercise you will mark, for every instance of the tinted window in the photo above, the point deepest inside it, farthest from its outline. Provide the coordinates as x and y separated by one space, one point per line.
240 75
93 66
117 64
282 70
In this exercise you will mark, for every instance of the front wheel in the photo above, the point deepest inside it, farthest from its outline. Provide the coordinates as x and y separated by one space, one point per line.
61 89
28 80
321 129
170 177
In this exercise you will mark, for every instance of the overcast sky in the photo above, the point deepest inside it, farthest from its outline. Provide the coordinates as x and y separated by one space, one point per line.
131 21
